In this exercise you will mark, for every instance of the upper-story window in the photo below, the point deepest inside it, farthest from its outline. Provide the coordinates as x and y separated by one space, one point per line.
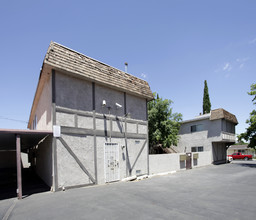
228 126
195 128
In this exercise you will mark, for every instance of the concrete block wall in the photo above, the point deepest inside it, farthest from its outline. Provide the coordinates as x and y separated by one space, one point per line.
162 163
204 159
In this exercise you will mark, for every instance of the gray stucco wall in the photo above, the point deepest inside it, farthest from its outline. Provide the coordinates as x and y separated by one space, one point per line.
212 127
196 139
69 172
213 137
137 107
211 131
86 131
73 93
111 97
44 161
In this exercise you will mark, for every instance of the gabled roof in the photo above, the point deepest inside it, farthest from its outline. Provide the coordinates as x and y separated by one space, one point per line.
239 147
63 58
220 113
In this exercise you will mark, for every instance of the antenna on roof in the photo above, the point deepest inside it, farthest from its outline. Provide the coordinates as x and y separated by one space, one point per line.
126 66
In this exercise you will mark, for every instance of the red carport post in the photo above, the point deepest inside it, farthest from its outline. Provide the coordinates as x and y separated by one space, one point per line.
19 179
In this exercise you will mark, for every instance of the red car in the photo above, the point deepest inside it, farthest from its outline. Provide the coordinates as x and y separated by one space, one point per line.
240 156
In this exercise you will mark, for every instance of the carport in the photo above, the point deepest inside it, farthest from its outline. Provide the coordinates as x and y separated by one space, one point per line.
19 141
219 152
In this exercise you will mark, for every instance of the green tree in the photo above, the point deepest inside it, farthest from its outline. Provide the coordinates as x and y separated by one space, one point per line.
206 99
163 124
250 134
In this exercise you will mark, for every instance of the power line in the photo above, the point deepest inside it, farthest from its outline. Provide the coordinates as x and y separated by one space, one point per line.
11 119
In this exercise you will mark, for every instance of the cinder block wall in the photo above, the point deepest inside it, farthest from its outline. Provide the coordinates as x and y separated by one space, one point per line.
162 163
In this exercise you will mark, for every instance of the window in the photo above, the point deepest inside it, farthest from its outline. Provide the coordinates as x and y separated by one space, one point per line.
195 128
197 149
200 149
228 126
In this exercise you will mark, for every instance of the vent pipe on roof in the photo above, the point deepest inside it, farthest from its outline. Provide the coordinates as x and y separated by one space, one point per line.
126 66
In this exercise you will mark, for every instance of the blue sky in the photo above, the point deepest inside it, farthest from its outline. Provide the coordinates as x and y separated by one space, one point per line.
173 44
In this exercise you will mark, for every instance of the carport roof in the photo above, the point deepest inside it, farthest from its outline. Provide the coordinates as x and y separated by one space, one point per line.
29 138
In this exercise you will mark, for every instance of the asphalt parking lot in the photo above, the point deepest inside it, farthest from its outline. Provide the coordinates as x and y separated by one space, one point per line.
213 192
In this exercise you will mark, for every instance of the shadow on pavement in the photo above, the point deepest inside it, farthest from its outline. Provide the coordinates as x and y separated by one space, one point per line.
251 165
31 183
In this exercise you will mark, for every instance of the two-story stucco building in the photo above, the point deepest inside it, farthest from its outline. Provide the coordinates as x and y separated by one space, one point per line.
209 132
98 115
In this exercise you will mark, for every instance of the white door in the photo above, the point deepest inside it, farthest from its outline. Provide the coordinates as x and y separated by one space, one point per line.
112 169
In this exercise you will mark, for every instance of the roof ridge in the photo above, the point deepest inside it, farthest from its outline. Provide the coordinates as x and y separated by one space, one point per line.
78 63
80 53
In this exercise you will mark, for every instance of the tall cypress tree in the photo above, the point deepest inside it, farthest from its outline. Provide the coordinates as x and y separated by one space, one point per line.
206 100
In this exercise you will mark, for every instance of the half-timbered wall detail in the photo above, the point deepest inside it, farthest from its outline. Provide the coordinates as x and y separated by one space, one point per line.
84 131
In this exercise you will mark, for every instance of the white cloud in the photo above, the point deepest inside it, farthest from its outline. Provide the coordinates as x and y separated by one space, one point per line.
252 41
227 67
143 75
242 60
241 65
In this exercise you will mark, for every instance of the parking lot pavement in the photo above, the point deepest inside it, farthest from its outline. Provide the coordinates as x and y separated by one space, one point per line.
213 192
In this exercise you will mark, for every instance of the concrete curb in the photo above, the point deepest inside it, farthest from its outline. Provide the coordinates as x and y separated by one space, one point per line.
9 211
162 174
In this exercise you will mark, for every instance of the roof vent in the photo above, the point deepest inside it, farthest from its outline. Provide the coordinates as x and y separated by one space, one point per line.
126 66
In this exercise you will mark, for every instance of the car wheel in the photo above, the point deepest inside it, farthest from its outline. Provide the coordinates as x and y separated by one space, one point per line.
246 158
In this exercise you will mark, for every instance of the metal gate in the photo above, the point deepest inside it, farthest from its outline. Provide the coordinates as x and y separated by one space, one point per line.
112 168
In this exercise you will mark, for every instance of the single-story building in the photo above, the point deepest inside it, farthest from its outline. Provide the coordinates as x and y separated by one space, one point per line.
212 132
241 148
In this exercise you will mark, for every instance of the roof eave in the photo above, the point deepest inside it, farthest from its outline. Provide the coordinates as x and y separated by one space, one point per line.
82 76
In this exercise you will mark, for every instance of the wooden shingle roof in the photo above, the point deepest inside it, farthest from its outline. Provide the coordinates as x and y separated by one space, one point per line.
63 58
221 113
